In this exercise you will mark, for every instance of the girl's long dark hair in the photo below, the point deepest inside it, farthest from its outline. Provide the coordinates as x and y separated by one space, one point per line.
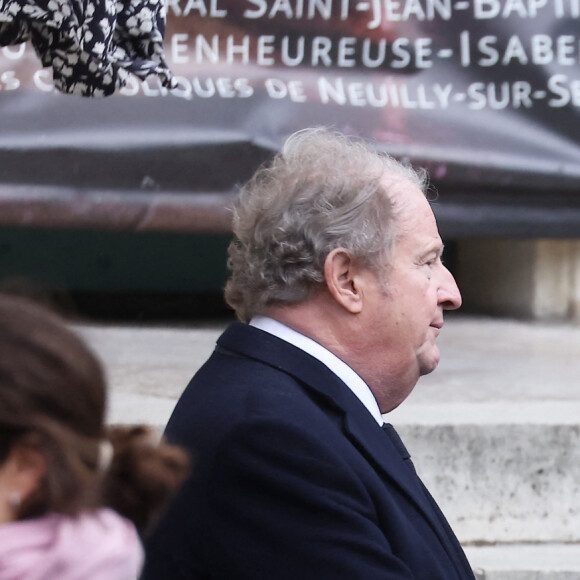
53 397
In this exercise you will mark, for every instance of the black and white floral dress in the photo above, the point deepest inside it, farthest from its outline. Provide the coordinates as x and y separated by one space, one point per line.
91 45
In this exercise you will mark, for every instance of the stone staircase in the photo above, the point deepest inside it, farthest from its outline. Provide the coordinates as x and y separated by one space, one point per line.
494 432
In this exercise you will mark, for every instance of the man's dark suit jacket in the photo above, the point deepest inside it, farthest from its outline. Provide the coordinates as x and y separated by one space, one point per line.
292 479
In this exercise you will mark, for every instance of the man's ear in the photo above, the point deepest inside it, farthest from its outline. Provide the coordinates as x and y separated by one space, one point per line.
342 280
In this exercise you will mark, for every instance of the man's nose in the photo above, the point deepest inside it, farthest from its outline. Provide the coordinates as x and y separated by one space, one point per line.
449 296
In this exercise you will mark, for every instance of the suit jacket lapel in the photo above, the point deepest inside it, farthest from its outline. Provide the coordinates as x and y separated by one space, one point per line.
383 451
360 427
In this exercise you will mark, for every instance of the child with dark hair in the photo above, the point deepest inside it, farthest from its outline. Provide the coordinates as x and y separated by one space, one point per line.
74 494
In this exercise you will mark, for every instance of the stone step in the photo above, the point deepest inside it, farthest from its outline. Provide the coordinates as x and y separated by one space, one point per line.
525 561
502 482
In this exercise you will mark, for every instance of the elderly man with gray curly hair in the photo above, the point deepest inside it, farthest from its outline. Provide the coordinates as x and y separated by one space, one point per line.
339 287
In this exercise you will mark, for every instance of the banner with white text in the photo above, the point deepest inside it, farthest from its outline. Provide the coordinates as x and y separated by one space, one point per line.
483 93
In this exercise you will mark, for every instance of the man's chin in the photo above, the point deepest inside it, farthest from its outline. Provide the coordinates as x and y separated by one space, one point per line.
429 364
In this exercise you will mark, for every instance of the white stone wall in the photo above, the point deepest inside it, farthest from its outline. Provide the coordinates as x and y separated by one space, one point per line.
534 279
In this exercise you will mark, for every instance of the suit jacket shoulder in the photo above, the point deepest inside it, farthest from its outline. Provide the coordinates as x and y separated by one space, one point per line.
292 476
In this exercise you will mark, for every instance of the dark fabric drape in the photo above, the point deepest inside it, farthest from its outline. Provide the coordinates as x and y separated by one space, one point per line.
91 45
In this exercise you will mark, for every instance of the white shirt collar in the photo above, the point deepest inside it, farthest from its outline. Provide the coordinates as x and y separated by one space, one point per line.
337 366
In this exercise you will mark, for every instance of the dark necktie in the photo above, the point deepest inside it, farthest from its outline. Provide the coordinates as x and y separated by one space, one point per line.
399 445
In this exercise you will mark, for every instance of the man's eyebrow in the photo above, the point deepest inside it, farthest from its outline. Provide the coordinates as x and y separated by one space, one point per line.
434 248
